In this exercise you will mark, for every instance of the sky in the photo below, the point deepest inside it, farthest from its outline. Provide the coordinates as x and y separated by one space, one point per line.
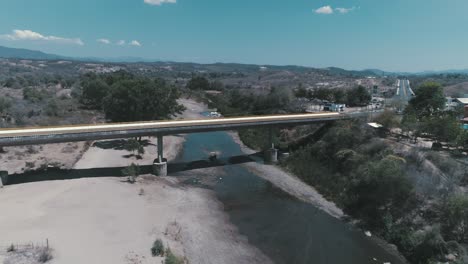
392 35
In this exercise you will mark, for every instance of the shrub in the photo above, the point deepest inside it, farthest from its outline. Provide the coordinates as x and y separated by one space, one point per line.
11 248
30 165
132 172
31 150
45 255
173 259
158 248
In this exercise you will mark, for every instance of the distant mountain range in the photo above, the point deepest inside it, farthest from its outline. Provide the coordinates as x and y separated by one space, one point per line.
26 54
14 53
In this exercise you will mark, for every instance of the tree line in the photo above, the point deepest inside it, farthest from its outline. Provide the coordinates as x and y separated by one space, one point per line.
125 97
356 96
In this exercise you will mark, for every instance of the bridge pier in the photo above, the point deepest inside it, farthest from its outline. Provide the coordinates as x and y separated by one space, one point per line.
160 164
3 178
271 154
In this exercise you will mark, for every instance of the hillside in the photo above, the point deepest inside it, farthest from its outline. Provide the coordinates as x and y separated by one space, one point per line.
6 52
457 90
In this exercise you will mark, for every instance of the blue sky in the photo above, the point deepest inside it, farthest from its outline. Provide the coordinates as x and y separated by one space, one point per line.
394 35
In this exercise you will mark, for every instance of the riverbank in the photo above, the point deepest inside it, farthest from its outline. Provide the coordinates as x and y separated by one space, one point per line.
289 182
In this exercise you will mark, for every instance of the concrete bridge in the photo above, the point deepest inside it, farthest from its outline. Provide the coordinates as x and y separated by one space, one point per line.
60 134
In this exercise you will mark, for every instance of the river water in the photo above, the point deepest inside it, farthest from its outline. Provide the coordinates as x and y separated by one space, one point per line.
281 226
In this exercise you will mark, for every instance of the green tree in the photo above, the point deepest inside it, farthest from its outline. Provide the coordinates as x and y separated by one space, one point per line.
428 100
455 215
35 95
198 83
444 127
383 188
358 96
94 89
134 146
52 108
387 119
217 86
132 172
340 96
5 104
323 94
141 100
158 248
430 246
301 91
171 258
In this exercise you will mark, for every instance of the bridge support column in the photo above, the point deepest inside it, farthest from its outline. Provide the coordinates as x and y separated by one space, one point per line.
3 178
271 154
160 164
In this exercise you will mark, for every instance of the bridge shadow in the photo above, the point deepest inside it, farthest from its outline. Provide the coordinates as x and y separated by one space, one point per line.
52 174
118 144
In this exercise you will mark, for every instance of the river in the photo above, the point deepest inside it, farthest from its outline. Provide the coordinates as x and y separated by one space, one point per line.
283 227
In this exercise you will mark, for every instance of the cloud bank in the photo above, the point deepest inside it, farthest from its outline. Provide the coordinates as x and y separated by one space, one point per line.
29 35
122 42
104 41
160 2
135 43
328 10
343 10
324 10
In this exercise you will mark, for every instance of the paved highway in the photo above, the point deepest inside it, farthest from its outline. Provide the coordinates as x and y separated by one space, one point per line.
404 91
45 135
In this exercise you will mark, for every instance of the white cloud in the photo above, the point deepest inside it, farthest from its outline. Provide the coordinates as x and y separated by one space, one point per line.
325 10
103 41
135 43
160 2
343 10
29 35
120 42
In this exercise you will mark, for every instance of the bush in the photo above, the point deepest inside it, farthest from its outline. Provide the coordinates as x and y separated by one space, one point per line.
35 95
132 172
158 248
11 248
45 255
173 259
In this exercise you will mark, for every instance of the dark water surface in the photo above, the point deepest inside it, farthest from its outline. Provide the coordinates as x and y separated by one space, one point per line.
284 228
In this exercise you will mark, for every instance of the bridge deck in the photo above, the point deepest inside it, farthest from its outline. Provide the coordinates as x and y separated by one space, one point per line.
45 135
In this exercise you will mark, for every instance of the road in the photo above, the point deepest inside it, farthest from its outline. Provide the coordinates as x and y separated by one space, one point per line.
404 91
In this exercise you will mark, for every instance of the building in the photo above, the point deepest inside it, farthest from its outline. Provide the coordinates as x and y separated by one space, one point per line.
462 101
332 107
451 103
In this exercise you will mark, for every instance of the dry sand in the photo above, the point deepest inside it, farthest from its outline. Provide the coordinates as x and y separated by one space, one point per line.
20 159
106 221
97 157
